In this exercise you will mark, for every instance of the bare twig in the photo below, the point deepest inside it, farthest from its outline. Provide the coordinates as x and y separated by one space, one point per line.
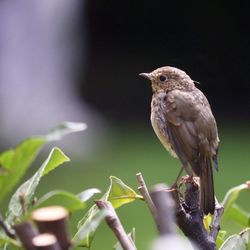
164 208
5 228
146 196
26 233
215 225
46 242
53 220
115 225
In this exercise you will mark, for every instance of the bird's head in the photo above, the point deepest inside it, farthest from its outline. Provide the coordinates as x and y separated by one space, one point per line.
169 78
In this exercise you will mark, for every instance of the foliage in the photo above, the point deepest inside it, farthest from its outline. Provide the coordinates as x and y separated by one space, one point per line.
15 162
239 241
118 194
234 212
22 198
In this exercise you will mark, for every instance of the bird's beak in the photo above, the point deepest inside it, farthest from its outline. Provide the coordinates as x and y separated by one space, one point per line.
146 75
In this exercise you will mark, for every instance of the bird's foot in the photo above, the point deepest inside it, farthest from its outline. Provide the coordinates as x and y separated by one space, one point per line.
186 179
190 179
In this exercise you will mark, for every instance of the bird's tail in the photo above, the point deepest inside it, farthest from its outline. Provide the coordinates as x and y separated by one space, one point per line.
207 186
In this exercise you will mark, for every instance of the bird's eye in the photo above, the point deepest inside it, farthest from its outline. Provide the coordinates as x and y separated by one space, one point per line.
162 78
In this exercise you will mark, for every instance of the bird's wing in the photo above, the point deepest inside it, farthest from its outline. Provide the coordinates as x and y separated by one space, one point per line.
181 113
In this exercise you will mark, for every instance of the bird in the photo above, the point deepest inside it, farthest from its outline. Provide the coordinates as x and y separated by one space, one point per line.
182 119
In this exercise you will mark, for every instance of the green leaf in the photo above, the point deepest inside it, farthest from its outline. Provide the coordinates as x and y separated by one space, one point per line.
239 215
131 235
118 194
55 159
231 196
85 233
207 219
15 162
27 189
60 198
220 238
64 129
245 235
239 241
88 193
5 240
9 242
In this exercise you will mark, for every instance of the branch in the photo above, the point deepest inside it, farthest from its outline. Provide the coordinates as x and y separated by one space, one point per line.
115 225
190 218
164 205
215 225
146 196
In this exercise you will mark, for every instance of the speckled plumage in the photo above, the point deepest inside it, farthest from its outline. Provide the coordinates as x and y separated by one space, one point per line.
183 121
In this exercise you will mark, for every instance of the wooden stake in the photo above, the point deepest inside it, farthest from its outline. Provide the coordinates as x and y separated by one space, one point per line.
26 233
165 219
53 220
45 242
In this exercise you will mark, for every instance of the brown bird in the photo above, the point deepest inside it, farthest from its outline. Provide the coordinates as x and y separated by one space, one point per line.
183 121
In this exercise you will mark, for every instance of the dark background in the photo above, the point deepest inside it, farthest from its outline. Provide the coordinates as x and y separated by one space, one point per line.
208 40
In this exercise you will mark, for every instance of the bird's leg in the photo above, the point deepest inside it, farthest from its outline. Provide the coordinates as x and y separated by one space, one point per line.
174 185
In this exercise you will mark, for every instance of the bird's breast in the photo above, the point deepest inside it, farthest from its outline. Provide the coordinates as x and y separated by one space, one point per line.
159 122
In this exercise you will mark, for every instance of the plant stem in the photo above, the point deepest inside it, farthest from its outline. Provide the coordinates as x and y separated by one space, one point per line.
115 225
146 196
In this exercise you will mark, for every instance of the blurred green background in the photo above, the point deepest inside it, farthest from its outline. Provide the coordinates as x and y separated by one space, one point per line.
132 149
